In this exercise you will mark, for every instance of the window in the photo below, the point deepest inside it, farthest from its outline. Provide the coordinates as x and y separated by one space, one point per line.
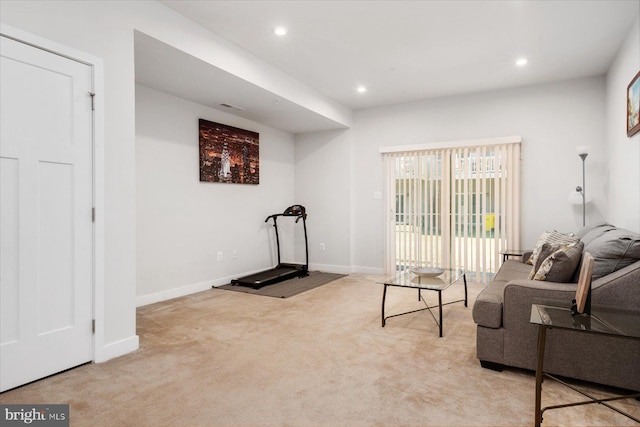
452 207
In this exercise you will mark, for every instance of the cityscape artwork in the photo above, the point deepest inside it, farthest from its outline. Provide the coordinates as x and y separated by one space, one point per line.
228 154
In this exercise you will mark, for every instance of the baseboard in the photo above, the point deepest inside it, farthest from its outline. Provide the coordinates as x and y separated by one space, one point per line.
117 349
328 268
366 270
182 291
345 269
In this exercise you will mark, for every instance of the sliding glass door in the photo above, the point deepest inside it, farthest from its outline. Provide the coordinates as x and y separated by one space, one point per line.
452 207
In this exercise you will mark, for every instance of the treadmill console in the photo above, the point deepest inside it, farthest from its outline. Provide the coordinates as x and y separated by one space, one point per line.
295 210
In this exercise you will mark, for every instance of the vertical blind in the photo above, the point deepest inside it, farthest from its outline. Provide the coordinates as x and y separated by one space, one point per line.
452 207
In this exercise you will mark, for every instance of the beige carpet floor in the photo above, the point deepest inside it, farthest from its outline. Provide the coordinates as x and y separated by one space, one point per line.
320 358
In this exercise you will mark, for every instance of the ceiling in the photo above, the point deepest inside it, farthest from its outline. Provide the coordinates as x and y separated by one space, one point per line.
403 51
177 73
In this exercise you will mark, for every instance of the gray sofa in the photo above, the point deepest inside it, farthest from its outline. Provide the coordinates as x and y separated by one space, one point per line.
502 311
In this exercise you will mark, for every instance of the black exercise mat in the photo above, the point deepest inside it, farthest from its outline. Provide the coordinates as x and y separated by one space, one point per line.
288 288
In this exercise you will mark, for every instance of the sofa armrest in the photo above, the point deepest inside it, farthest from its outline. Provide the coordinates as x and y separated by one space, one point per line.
520 336
619 289
520 294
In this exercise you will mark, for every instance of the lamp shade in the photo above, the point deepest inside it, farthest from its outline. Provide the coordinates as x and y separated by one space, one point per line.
583 149
575 198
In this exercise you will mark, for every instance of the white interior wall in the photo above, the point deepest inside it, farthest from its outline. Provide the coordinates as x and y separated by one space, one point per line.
183 223
623 178
105 29
323 176
552 119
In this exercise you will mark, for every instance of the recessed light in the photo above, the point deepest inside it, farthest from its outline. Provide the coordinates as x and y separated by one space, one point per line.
521 62
280 31
231 106
361 89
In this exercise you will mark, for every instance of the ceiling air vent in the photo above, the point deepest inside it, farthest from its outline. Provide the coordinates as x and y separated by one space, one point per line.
234 107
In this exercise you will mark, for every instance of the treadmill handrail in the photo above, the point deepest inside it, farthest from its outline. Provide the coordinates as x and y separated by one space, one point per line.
301 212
274 216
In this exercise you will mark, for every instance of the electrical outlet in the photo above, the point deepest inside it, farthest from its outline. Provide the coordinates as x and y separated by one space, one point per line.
234 254
219 256
322 246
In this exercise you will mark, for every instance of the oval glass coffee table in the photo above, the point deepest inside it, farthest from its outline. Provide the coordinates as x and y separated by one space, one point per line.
440 283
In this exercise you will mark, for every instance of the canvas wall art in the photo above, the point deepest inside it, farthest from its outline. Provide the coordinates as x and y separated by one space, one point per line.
228 154
633 106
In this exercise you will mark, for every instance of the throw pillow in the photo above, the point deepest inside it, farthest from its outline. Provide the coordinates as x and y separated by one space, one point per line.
554 238
613 250
561 264
591 232
546 250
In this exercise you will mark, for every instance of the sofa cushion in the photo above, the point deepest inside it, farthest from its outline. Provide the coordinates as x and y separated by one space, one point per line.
512 269
612 250
590 232
553 238
558 263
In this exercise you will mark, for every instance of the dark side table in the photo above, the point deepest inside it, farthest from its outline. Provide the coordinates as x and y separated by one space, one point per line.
609 321
508 253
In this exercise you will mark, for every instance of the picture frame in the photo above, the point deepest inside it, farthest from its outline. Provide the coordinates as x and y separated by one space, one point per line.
583 290
228 154
633 106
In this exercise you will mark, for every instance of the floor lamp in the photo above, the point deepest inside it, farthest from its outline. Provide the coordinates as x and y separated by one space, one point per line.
579 196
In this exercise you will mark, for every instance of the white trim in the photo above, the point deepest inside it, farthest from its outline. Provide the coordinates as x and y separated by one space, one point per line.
100 349
47 45
118 348
452 144
367 270
98 203
182 291
168 294
330 268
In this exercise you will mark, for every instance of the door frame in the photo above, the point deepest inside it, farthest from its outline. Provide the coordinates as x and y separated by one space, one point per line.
98 248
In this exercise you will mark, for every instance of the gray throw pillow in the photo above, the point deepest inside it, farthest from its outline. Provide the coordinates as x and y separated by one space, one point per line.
553 238
613 250
543 252
591 232
560 264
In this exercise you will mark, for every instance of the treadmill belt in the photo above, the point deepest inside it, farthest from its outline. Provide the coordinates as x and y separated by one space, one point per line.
268 277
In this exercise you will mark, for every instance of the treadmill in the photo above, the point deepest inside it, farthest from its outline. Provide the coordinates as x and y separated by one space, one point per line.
282 271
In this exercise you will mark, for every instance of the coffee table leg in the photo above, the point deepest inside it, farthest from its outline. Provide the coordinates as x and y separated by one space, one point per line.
440 307
384 296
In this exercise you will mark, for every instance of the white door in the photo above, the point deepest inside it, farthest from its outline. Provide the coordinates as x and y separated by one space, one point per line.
46 203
